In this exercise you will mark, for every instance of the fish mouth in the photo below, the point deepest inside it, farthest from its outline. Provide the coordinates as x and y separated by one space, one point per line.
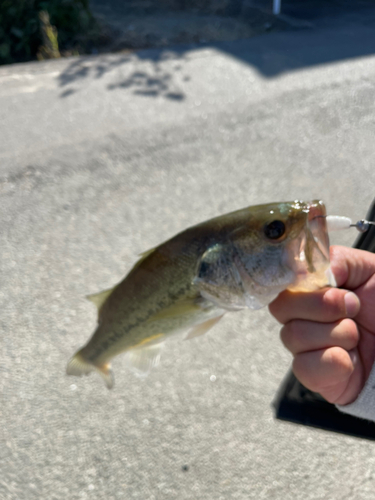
317 227
311 260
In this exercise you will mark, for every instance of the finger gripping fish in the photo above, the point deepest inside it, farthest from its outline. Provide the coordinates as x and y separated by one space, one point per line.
238 260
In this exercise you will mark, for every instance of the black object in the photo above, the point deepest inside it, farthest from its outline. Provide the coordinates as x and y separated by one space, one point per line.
366 241
295 403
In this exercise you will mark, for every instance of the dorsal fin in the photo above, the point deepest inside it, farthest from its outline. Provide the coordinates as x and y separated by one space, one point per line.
143 256
99 298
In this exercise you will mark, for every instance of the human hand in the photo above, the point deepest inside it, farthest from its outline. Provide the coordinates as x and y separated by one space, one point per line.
331 332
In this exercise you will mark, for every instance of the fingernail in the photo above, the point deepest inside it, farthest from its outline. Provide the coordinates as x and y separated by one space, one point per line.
351 304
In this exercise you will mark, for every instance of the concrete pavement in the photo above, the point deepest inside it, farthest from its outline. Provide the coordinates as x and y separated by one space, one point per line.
101 159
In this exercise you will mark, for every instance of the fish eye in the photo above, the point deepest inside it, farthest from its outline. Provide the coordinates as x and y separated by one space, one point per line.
274 230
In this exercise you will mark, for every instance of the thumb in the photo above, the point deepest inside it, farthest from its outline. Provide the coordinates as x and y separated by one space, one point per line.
351 267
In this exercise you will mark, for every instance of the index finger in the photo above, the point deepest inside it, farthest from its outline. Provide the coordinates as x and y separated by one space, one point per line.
323 306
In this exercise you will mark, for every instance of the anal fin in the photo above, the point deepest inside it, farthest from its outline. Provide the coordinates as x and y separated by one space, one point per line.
143 359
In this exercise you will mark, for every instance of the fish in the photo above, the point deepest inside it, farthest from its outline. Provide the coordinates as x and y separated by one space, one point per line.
242 259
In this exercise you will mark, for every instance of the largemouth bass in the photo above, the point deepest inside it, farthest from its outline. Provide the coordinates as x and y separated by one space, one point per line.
238 260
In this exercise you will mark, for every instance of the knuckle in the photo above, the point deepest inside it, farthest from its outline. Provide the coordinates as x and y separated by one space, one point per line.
333 302
276 310
289 335
324 369
304 372
299 368
339 359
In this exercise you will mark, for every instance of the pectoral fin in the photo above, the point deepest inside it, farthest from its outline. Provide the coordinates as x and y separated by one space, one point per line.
180 308
202 328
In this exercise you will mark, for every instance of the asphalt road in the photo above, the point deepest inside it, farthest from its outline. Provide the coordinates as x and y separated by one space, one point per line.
103 158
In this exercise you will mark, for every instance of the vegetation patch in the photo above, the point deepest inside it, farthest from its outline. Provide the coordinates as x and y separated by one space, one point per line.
31 29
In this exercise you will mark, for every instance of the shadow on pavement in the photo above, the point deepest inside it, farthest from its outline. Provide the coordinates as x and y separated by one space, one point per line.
340 30
278 54
152 81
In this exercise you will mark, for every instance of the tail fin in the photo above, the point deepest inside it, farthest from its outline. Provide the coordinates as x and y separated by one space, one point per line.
79 366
